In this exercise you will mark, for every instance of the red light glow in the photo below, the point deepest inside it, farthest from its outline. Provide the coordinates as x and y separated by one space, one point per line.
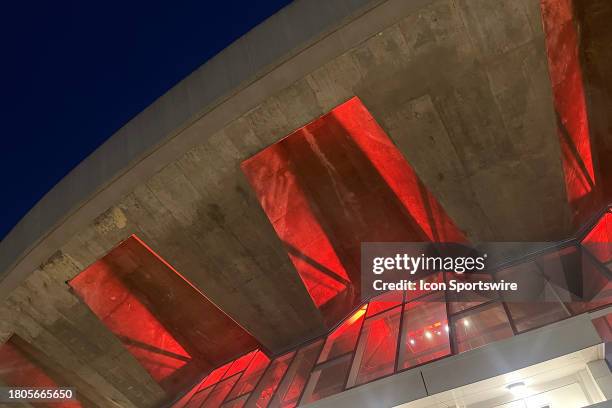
570 104
335 183
157 314
17 369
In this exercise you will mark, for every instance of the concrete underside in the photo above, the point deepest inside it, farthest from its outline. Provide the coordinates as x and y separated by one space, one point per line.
460 86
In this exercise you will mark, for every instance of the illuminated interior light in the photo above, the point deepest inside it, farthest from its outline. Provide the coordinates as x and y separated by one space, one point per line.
358 314
517 388
428 335
466 323
446 328
411 341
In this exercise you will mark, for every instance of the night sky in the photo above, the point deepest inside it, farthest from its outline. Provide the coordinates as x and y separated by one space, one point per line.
75 72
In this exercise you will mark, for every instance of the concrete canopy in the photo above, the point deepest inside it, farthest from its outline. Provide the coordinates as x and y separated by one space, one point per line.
460 86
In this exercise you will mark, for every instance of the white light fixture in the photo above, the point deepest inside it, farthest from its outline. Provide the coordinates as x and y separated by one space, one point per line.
517 388
428 335
412 341
466 322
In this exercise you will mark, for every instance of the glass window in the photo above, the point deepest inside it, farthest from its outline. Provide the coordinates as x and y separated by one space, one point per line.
265 389
424 331
250 377
215 376
430 278
481 326
375 353
240 364
582 283
216 397
326 379
385 301
344 338
530 315
466 299
535 303
291 387
198 398
599 240
236 403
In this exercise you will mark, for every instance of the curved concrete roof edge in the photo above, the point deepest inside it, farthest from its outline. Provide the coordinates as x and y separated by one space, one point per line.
250 69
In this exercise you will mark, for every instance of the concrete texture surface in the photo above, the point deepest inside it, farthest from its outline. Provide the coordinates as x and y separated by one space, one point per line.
460 86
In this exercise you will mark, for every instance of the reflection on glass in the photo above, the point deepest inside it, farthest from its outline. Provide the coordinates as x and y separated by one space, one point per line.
326 379
216 398
215 376
599 240
236 403
250 376
240 364
460 301
291 387
481 326
375 353
261 396
344 338
535 303
425 332
582 283
199 397
385 301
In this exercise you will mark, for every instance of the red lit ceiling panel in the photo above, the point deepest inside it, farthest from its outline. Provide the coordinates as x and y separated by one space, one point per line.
19 369
583 191
169 326
335 183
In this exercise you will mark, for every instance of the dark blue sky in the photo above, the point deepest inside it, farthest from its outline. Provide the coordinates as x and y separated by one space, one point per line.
75 72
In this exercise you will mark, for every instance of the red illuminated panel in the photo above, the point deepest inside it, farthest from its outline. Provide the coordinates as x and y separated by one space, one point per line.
291 387
570 106
251 376
240 364
261 396
219 393
425 332
385 301
17 369
422 207
142 333
199 397
216 375
183 402
481 326
344 338
287 207
599 240
375 353
335 183
158 315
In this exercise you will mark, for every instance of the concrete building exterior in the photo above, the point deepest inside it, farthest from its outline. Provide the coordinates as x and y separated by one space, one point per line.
213 242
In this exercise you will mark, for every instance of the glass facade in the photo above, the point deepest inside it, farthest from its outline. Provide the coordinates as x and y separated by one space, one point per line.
377 347
266 387
397 331
291 388
425 331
